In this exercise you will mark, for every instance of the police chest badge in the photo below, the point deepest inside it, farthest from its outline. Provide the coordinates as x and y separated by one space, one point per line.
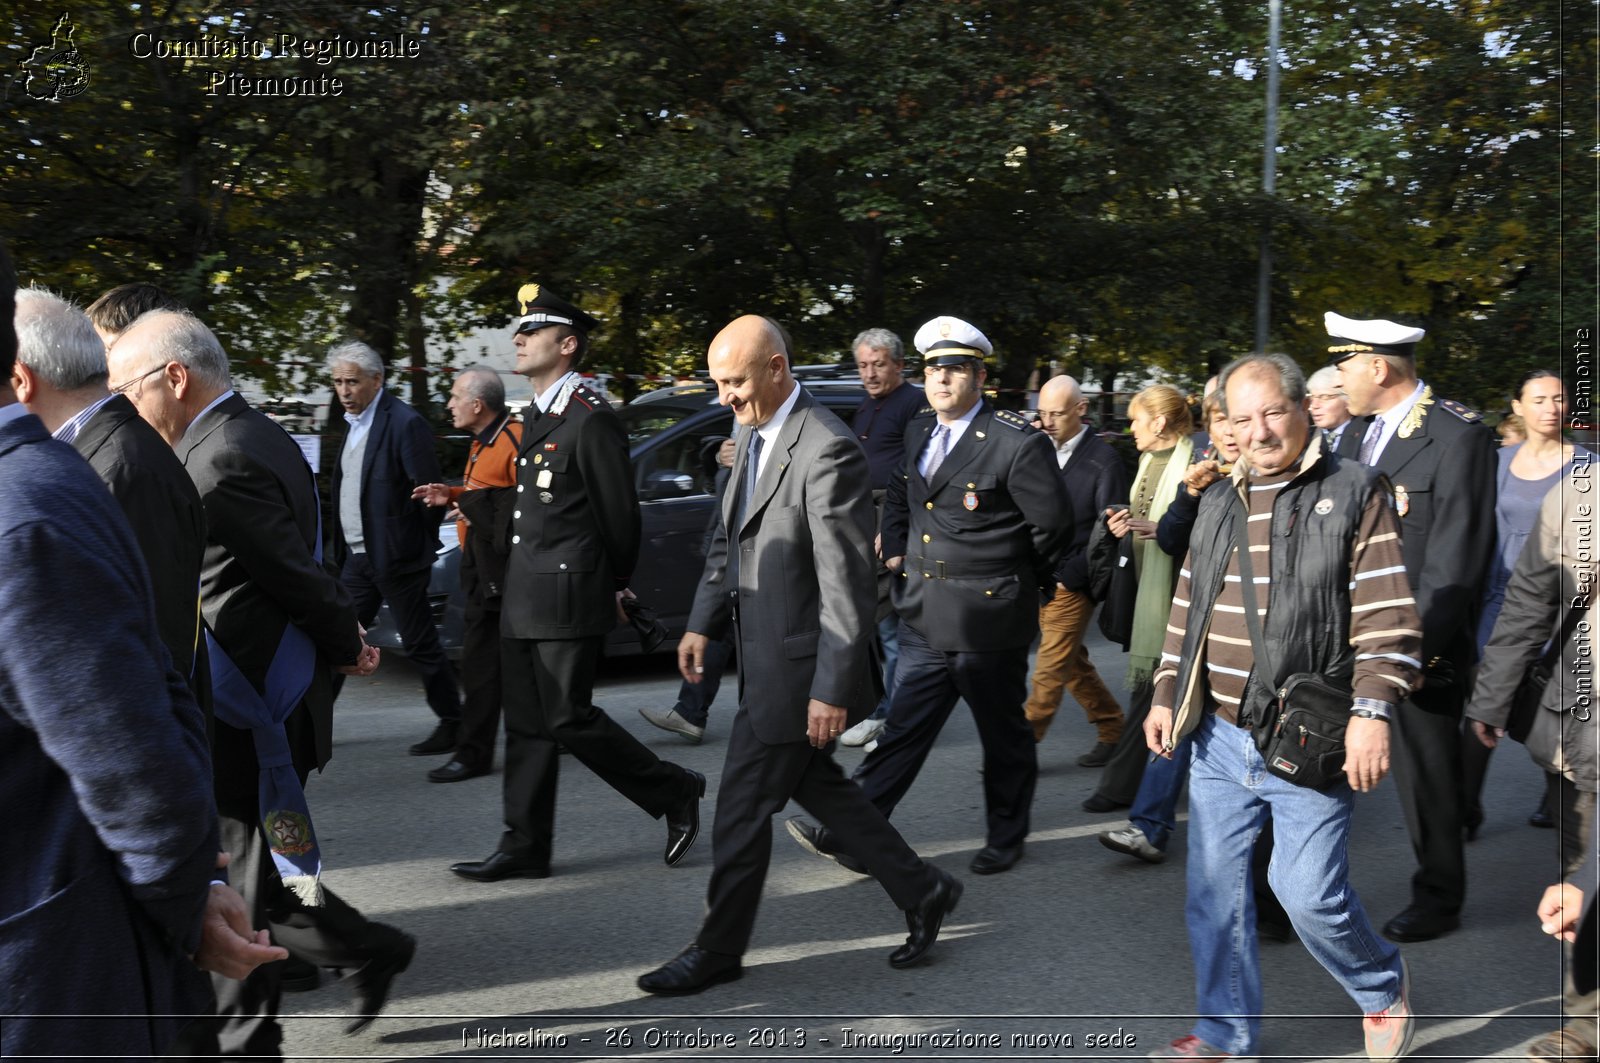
970 500
1402 500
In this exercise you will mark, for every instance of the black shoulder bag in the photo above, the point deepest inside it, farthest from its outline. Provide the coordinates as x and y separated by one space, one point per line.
1302 740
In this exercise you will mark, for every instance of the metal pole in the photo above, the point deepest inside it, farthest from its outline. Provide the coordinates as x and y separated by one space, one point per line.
1269 177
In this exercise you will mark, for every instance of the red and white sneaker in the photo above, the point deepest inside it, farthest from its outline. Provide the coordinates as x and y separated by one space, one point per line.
1191 1047
1389 1032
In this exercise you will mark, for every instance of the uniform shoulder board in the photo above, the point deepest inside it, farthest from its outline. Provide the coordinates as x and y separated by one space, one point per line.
1466 413
1011 420
588 398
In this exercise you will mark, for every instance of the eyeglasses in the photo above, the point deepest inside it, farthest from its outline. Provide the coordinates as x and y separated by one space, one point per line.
122 389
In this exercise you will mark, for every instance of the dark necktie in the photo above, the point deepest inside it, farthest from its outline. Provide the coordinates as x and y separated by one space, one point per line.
1369 443
752 472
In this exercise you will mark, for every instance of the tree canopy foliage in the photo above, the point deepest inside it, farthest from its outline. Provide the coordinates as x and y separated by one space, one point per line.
1081 179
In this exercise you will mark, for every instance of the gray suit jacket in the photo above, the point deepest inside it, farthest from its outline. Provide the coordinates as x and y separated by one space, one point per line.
807 591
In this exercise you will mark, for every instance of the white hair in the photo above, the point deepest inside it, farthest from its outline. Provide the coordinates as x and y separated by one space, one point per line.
57 340
357 354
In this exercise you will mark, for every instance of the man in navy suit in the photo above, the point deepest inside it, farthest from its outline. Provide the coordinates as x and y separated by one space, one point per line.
386 541
104 773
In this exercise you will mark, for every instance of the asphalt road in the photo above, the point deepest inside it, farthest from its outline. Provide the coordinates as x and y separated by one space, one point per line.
1077 953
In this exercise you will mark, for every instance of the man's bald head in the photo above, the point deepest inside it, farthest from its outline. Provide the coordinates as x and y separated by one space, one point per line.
1061 408
749 362
170 366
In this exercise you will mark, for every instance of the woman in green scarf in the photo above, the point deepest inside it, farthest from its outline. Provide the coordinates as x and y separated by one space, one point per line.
1161 427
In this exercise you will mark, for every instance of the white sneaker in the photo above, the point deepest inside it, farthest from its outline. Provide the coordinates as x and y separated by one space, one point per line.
1389 1032
862 733
1131 840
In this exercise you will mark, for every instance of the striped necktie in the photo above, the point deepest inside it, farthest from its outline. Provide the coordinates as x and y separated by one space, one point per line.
936 451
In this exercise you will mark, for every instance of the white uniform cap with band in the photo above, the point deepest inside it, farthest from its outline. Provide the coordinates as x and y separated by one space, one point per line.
1377 336
951 341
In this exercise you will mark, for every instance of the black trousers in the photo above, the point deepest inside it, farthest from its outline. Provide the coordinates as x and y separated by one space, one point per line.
407 596
480 682
549 687
694 699
1426 736
928 683
1119 779
757 781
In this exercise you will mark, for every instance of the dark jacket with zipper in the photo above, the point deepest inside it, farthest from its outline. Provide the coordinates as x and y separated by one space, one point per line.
1307 626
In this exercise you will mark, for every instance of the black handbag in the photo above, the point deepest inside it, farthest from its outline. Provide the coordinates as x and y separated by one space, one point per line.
1529 695
1302 738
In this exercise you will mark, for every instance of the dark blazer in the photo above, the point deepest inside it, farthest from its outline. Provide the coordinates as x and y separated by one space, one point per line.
104 774
1444 484
982 540
575 532
400 535
260 573
806 593
1094 477
163 507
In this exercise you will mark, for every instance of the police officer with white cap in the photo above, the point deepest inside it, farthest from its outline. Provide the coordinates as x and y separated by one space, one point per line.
1440 459
973 524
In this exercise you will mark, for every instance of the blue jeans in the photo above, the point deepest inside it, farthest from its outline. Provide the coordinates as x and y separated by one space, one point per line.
889 639
1230 793
1155 808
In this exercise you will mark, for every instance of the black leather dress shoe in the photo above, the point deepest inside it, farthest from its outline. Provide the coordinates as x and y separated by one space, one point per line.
373 979
1098 756
455 771
1096 802
817 841
923 921
690 971
1420 924
443 740
993 859
683 825
501 865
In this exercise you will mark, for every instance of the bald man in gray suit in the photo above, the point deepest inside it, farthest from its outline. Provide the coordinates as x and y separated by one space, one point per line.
795 576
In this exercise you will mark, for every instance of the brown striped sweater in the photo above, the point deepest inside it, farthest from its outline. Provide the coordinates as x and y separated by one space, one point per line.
1384 628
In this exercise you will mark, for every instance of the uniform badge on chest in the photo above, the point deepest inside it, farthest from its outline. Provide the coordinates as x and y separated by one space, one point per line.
546 497
543 479
1402 500
970 500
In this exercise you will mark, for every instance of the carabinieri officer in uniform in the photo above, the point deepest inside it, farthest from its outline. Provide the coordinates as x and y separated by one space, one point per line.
973 525
574 544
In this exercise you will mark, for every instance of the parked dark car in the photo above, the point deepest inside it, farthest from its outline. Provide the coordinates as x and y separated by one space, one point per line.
673 434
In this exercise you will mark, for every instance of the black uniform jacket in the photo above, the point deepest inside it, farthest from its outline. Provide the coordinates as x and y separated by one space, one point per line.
982 540
575 531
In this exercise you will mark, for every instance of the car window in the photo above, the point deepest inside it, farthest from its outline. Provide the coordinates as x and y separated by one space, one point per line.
647 420
689 449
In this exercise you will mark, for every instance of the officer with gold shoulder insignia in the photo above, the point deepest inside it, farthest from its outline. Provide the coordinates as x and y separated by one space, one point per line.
575 539
973 524
1439 458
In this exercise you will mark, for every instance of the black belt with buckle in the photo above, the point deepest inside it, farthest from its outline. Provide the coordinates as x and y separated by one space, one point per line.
932 569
